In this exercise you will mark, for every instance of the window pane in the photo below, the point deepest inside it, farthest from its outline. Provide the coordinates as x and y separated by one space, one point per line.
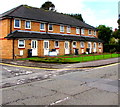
17 23
50 27
56 44
66 45
42 26
68 29
62 28
27 24
82 31
82 44
77 31
74 43
46 45
90 32
21 43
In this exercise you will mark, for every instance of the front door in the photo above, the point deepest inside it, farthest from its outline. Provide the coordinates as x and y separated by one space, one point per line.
94 47
34 48
90 47
67 50
46 47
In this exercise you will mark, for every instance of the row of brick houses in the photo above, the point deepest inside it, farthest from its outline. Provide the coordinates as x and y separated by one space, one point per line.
26 27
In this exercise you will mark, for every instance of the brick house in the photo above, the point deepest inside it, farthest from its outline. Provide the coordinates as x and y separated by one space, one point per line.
26 27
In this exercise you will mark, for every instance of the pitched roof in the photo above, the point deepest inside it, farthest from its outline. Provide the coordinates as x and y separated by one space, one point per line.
32 13
38 35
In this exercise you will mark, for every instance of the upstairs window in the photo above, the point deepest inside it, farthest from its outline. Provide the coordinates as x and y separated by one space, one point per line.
42 26
82 44
74 44
21 43
50 27
82 31
90 32
94 33
17 23
77 31
68 29
56 44
27 25
61 28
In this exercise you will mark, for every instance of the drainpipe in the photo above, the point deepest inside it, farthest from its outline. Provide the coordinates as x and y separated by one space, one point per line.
47 28
13 54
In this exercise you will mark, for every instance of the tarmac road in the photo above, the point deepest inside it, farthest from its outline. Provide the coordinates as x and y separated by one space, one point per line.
93 86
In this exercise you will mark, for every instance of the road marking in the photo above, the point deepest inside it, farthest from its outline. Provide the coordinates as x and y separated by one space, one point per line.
58 68
28 67
106 65
59 101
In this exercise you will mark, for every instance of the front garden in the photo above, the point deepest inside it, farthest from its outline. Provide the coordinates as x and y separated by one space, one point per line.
73 58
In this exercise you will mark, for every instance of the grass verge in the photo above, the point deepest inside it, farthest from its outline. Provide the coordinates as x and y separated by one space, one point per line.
72 59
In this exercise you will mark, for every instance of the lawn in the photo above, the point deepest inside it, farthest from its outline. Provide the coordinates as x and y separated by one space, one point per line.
72 58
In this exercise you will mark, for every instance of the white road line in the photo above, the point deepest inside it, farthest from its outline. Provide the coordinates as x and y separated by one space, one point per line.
59 101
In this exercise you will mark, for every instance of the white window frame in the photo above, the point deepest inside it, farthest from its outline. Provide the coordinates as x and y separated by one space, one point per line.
74 46
26 23
68 29
61 28
82 44
99 44
19 23
82 31
89 32
55 44
94 33
19 43
44 27
48 27
77 30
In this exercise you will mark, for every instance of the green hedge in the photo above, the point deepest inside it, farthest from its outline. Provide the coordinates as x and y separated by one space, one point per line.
111 48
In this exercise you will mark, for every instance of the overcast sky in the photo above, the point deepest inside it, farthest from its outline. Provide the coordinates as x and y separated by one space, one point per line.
94 12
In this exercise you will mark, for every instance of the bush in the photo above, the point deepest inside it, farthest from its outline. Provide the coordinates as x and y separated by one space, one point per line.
112 50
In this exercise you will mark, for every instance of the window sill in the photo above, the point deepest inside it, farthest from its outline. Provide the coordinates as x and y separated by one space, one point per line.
21 48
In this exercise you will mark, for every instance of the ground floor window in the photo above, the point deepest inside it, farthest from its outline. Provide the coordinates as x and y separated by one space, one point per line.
99 44
74 44
56 44
82 44
21 43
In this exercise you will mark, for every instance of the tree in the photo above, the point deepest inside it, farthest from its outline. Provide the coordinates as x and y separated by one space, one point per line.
116 34
48 6
104 33
77 16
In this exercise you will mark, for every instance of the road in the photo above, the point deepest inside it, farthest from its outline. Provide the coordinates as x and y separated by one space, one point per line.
93 86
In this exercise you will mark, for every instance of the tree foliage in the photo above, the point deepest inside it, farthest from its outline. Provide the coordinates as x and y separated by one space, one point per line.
48 6
116 34
104 33
77 16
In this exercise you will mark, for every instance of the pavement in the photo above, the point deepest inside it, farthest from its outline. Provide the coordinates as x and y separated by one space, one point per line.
59 66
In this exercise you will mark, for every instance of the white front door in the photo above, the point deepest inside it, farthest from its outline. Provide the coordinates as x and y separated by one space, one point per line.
90 47
94 47
34 46
67 50
46 47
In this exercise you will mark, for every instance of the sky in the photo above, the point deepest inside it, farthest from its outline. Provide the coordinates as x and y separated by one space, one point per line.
94 12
